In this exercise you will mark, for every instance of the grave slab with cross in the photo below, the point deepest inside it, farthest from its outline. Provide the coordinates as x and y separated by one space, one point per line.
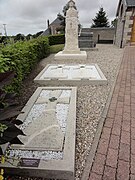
56 72
45 132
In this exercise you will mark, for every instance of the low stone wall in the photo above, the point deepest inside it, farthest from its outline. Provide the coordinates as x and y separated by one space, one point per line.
104 35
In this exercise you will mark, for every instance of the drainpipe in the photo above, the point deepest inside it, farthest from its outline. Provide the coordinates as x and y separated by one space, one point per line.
123 21
121 45
48 23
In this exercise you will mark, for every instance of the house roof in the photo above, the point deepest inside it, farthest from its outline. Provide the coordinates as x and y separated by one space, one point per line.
56 21
129 3
46 32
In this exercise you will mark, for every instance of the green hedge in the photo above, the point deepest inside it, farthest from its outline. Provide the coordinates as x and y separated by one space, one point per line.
56 39
21 58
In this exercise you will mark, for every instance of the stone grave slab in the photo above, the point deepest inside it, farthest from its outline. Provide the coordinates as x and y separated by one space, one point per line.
71 74
49 122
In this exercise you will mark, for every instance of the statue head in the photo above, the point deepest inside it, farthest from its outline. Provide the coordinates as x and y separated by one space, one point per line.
71 3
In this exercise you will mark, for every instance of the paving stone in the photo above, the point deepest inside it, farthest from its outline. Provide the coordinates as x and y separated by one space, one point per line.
109 173
114 142
109 122
116 129
103 146
118 119
132 113
132 133
132 146
127 109
111 113
98 166
126 126
132 164
112 158
113 106
94 176
124 152
120 105
119 111
132 177
106 133
125 137
126 116
123 170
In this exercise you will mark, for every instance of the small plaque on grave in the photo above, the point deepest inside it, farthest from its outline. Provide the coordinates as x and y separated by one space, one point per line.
25 162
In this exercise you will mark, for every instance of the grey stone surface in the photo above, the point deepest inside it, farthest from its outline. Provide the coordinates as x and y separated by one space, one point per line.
75 75
70 56
47 134
44 133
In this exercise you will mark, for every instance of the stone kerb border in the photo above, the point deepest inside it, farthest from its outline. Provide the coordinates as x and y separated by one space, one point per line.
69 82
54 169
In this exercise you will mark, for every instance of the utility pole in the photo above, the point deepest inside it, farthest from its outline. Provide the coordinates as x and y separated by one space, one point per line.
5 29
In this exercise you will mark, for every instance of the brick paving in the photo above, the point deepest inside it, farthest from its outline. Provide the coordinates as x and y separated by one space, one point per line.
115 155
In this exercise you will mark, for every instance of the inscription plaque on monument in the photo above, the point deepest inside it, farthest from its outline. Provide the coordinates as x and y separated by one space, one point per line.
25 162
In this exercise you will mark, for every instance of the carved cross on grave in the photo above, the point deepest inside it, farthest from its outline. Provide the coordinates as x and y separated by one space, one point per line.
82 72
56 72
45 133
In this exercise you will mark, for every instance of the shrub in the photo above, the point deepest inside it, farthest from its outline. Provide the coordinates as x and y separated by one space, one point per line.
56 48
5 64
22 56
56 39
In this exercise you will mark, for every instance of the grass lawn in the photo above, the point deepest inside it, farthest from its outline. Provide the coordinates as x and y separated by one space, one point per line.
56 48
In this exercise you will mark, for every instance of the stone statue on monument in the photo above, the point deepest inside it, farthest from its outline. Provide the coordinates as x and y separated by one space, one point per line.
71 45
71 49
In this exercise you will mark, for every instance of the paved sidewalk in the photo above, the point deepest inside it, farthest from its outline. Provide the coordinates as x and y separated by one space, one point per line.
115 156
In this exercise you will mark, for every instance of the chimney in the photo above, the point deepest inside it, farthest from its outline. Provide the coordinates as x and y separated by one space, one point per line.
48 23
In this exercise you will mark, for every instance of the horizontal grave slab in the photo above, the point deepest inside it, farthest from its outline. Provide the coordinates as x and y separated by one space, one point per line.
67 74
49 122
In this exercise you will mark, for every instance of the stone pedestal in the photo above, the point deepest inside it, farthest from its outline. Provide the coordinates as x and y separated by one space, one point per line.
82 55
71 49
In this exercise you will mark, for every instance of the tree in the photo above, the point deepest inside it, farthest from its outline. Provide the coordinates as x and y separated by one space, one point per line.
100 19
114 23
29 36
19 37
37 34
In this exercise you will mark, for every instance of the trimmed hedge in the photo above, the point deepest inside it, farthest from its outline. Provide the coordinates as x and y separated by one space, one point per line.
56 39
21 57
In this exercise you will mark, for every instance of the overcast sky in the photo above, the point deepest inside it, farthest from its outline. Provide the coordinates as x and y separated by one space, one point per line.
30 16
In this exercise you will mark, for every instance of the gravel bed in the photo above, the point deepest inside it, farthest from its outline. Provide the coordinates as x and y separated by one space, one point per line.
91 99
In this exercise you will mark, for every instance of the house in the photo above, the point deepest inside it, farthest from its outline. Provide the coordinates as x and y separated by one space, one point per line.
53 28
125 32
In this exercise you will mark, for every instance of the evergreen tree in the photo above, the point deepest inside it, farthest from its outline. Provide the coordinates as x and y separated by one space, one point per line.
100 19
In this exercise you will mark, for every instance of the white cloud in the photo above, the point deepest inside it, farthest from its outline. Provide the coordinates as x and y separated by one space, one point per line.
30 16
